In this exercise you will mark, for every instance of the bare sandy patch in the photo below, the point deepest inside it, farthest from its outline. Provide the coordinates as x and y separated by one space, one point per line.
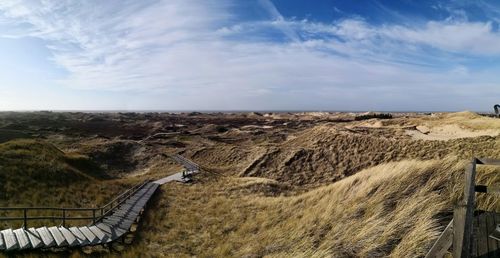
448 132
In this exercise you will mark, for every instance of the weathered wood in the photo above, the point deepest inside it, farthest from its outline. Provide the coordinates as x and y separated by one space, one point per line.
98 233
481 237
22 238
497 222
443 244
80 237
46 237
114 224
463 215
490 228
2 243
9 239
487 161
58 236
104 227
484 226
68 236
458 230
89 235
34 237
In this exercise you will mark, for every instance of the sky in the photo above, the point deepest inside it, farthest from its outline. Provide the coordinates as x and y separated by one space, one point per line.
406 55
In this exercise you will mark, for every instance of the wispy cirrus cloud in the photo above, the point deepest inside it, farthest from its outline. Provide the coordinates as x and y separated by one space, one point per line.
201 53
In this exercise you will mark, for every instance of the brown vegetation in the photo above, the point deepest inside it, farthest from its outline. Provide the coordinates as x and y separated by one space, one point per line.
275 185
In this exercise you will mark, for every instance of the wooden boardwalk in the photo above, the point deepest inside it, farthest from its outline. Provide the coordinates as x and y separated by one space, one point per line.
111 227
471 233
483 242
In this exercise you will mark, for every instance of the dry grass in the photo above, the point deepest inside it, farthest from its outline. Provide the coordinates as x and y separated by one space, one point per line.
325 154
36 173
380 197
395 209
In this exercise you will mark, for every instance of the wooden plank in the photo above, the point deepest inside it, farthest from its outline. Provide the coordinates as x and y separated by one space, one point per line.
46 237
105 228
127 215
463 216
58 236
34 237
113 232
98 233
458 230
126 225
22 238
496 233
482 248
443 244
494 216
488 161
80 237
120 221
9 239
93 239
69 237
2 243
470 182
117 218
475 237
490 228
123 225
110 221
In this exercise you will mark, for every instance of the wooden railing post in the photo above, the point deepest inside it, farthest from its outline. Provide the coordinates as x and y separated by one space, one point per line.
25 218
102 210
64 217
443 243
463 215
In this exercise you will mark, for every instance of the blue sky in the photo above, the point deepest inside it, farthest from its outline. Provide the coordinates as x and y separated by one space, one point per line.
249 55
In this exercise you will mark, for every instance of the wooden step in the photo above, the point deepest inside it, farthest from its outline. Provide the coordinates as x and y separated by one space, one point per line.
99 234
118 220
34 237
93 239
22 238
58 237
47 239
109 229
105 228
113 232
68 236
10 239
80 237
2 243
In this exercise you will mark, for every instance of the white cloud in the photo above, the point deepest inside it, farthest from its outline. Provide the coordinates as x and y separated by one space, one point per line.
184 47
475 38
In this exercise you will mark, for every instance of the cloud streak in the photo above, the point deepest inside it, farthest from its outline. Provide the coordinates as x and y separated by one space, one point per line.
199 52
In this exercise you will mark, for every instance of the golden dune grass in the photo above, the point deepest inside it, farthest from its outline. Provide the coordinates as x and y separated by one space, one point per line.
388 210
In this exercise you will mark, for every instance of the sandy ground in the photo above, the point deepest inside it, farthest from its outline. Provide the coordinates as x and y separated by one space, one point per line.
448 132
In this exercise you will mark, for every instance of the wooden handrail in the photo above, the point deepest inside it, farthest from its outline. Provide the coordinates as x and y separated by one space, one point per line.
461 227
103 210
47 208
463 215
135 187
